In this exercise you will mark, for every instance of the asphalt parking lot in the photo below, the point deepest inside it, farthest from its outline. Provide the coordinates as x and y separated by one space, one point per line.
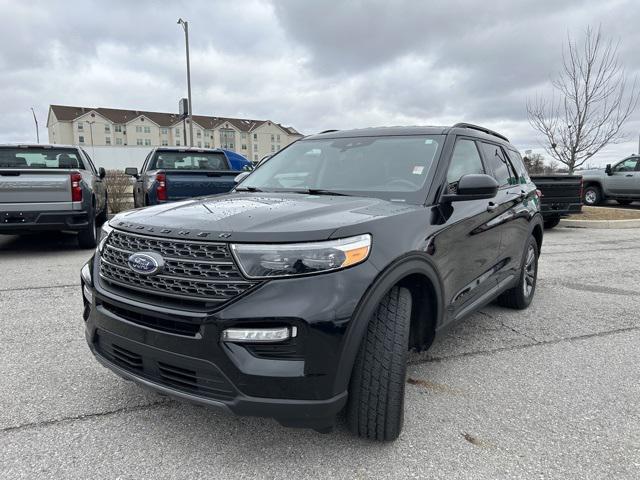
551 392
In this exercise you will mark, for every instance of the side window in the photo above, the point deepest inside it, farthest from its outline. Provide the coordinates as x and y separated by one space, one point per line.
518 164
498 163
88 160
145 164
465 160
628 165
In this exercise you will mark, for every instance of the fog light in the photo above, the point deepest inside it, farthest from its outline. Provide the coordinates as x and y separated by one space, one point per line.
87 294
258 335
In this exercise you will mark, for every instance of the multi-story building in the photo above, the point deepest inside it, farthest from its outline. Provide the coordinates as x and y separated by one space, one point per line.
114 127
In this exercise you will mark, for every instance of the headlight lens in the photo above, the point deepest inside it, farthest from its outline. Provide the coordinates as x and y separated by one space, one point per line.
285 260
104 234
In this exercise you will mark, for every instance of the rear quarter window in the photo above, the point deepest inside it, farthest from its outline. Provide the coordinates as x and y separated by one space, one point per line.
499 164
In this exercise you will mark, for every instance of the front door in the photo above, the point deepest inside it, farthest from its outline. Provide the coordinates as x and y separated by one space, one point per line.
624 178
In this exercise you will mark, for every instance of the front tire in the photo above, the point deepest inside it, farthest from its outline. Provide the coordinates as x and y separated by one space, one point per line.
88 238
376 394
592 195
520 296
552 222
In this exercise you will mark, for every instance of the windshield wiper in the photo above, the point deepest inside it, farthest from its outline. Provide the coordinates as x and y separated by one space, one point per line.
248 189
319 191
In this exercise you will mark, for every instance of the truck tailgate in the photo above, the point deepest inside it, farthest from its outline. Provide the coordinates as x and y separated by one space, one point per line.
195 183
34 186
561 188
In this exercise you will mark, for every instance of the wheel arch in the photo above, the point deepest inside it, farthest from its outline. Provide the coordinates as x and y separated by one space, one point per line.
414 271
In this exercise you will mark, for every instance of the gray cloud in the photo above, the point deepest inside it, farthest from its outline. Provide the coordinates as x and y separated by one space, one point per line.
314 65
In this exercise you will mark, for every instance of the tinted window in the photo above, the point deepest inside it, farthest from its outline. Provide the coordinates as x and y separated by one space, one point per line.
465 160
387 166
188 161
498 163
40 158
518 164
628 165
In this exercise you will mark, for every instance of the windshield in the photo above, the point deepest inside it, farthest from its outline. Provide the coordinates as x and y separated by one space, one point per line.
390 167
40 158
189 161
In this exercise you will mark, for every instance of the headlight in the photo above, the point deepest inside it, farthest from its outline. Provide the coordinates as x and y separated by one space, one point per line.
285 260
105 231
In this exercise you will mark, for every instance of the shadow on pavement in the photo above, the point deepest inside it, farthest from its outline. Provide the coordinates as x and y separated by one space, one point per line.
42 242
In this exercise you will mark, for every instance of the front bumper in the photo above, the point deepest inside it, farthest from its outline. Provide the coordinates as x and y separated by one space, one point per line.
297 383
16 222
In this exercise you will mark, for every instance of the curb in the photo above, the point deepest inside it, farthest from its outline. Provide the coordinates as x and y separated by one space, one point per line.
601 224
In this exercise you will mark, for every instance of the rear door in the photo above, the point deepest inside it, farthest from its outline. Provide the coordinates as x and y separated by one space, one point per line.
624 178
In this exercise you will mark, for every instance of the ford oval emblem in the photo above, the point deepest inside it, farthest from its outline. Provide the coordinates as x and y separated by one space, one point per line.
146 263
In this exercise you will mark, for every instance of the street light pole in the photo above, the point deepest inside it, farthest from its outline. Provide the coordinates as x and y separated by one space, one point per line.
185 26
36 120
93 150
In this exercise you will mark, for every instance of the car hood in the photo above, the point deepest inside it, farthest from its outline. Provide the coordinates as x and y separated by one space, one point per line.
259 217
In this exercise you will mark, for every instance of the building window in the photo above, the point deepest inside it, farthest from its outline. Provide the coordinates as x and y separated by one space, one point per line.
139 141
273 148
138 129
227 138
81 139
199 144
118 128
118 141
164 131
177 143
255 157
207 145
80 126
199 133
255 136
244 146
255 147
147 142
177 131
165 143
272 138
278 138
147 129
277 147
244 136
107 140
107 129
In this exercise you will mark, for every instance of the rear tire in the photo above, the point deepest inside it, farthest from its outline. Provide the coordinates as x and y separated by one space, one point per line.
376 394
624 201
88 238
592 195
552 222
520 296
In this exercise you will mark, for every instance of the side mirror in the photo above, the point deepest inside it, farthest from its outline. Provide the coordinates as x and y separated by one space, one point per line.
102 173
240 177
608 170
473 187
132 171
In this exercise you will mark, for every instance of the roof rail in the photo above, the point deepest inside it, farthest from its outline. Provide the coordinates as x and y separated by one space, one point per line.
481 129
328 131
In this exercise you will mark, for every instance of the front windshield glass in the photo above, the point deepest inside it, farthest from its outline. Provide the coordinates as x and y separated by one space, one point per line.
390 167
189 161
36 157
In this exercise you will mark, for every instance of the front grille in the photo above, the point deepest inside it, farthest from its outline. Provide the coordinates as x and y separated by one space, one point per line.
198 271
188 375
174 325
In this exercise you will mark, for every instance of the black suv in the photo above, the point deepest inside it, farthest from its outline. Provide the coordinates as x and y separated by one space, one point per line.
300 293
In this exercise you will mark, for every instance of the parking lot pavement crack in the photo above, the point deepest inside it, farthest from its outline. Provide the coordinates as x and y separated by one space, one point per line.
509 327
89 416
42 287
511 348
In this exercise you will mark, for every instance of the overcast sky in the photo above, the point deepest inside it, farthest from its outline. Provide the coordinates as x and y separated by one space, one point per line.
311 64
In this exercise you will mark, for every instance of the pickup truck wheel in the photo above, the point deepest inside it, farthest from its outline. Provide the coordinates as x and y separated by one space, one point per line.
624 201
551 222
520 296
376 394
88 238
592 195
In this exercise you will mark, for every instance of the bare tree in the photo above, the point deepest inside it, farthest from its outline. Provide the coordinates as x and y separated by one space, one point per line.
595 102
119 191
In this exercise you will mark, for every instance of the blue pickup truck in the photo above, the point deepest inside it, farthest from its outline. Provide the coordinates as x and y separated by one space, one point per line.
170 174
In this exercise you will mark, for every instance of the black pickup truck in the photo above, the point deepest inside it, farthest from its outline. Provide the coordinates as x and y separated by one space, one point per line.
561 196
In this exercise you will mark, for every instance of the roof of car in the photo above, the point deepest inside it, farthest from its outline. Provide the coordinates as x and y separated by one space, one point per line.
36 145
460 129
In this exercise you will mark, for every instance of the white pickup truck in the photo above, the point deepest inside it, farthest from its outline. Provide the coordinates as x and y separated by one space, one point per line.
51 187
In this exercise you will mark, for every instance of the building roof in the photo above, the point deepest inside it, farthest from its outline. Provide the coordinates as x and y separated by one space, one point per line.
67 113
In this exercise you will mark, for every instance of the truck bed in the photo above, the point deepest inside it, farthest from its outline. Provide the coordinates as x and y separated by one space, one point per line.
561 194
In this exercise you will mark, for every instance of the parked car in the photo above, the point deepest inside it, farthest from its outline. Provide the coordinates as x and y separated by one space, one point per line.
561 196
170 174
51 187
300 293
620 182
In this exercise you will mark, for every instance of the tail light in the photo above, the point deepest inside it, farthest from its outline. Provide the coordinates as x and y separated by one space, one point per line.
161 191
539 194
76 188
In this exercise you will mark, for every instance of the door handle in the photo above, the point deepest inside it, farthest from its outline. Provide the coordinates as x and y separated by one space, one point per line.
491 206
